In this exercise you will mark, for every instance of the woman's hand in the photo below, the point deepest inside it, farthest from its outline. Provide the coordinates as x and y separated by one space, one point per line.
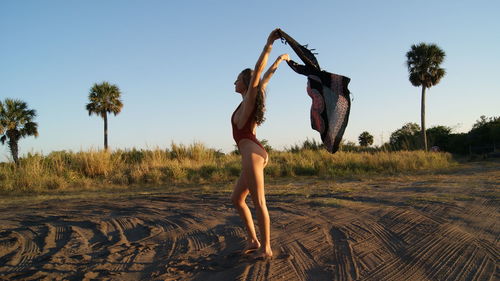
273 36
284 57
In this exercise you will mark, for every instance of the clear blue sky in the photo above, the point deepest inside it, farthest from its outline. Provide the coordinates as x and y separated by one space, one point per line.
175 63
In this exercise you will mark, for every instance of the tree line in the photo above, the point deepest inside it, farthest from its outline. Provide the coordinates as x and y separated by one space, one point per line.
484 137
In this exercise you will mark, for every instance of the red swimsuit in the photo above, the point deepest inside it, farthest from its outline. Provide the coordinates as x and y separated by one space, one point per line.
246 131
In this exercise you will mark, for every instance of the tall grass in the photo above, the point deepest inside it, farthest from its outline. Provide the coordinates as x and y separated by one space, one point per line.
196 164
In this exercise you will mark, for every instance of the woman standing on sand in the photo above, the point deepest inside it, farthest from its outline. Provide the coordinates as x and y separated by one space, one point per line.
244 121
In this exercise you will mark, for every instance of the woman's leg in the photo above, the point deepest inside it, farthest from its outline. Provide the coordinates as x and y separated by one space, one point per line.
254 160
238 197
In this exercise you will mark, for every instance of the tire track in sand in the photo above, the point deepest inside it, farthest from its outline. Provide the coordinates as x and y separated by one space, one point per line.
9 244
428 258
57 238
28 251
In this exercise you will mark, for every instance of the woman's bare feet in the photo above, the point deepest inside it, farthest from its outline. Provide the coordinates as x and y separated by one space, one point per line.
252 246
262 254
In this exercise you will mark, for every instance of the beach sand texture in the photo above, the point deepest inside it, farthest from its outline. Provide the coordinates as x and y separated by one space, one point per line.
424 227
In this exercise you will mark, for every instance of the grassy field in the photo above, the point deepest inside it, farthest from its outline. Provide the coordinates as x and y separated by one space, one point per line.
198 165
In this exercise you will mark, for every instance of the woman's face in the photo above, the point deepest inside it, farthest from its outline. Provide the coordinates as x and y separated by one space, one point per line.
239 85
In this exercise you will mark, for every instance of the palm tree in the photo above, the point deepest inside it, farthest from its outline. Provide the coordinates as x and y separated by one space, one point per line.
424 69
104 98
365 139
16 122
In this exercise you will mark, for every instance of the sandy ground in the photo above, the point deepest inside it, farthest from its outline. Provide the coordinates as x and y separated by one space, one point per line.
424 227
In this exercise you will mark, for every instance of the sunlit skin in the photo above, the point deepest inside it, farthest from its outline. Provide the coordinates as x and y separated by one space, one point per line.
254 158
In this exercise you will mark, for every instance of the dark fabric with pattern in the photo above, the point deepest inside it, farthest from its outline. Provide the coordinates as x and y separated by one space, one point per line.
330 96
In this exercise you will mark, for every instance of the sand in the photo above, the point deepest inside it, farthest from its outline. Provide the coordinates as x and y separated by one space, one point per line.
423 227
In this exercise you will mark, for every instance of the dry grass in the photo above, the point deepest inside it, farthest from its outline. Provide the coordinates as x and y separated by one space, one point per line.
196 164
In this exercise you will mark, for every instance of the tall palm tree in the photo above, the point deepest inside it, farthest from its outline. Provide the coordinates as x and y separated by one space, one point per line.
104 98
16 122
424 69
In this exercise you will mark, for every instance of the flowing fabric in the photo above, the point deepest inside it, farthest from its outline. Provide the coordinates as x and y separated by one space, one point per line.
330 96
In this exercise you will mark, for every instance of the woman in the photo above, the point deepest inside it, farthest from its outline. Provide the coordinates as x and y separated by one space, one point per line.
244 121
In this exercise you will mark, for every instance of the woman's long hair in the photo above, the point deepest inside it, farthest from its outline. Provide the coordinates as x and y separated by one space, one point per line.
260 100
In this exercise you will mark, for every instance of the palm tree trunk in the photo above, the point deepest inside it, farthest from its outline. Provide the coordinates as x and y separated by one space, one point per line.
422 118
14 150
105 117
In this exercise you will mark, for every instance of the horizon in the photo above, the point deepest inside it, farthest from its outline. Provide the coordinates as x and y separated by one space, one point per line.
175 67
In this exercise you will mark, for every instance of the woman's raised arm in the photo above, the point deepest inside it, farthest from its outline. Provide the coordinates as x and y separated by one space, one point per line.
262 61
253 88
269 73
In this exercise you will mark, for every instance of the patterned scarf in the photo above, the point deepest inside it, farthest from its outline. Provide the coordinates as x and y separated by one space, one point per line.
331 101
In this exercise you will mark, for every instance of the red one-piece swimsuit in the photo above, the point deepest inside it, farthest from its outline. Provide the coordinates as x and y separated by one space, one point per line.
246 131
